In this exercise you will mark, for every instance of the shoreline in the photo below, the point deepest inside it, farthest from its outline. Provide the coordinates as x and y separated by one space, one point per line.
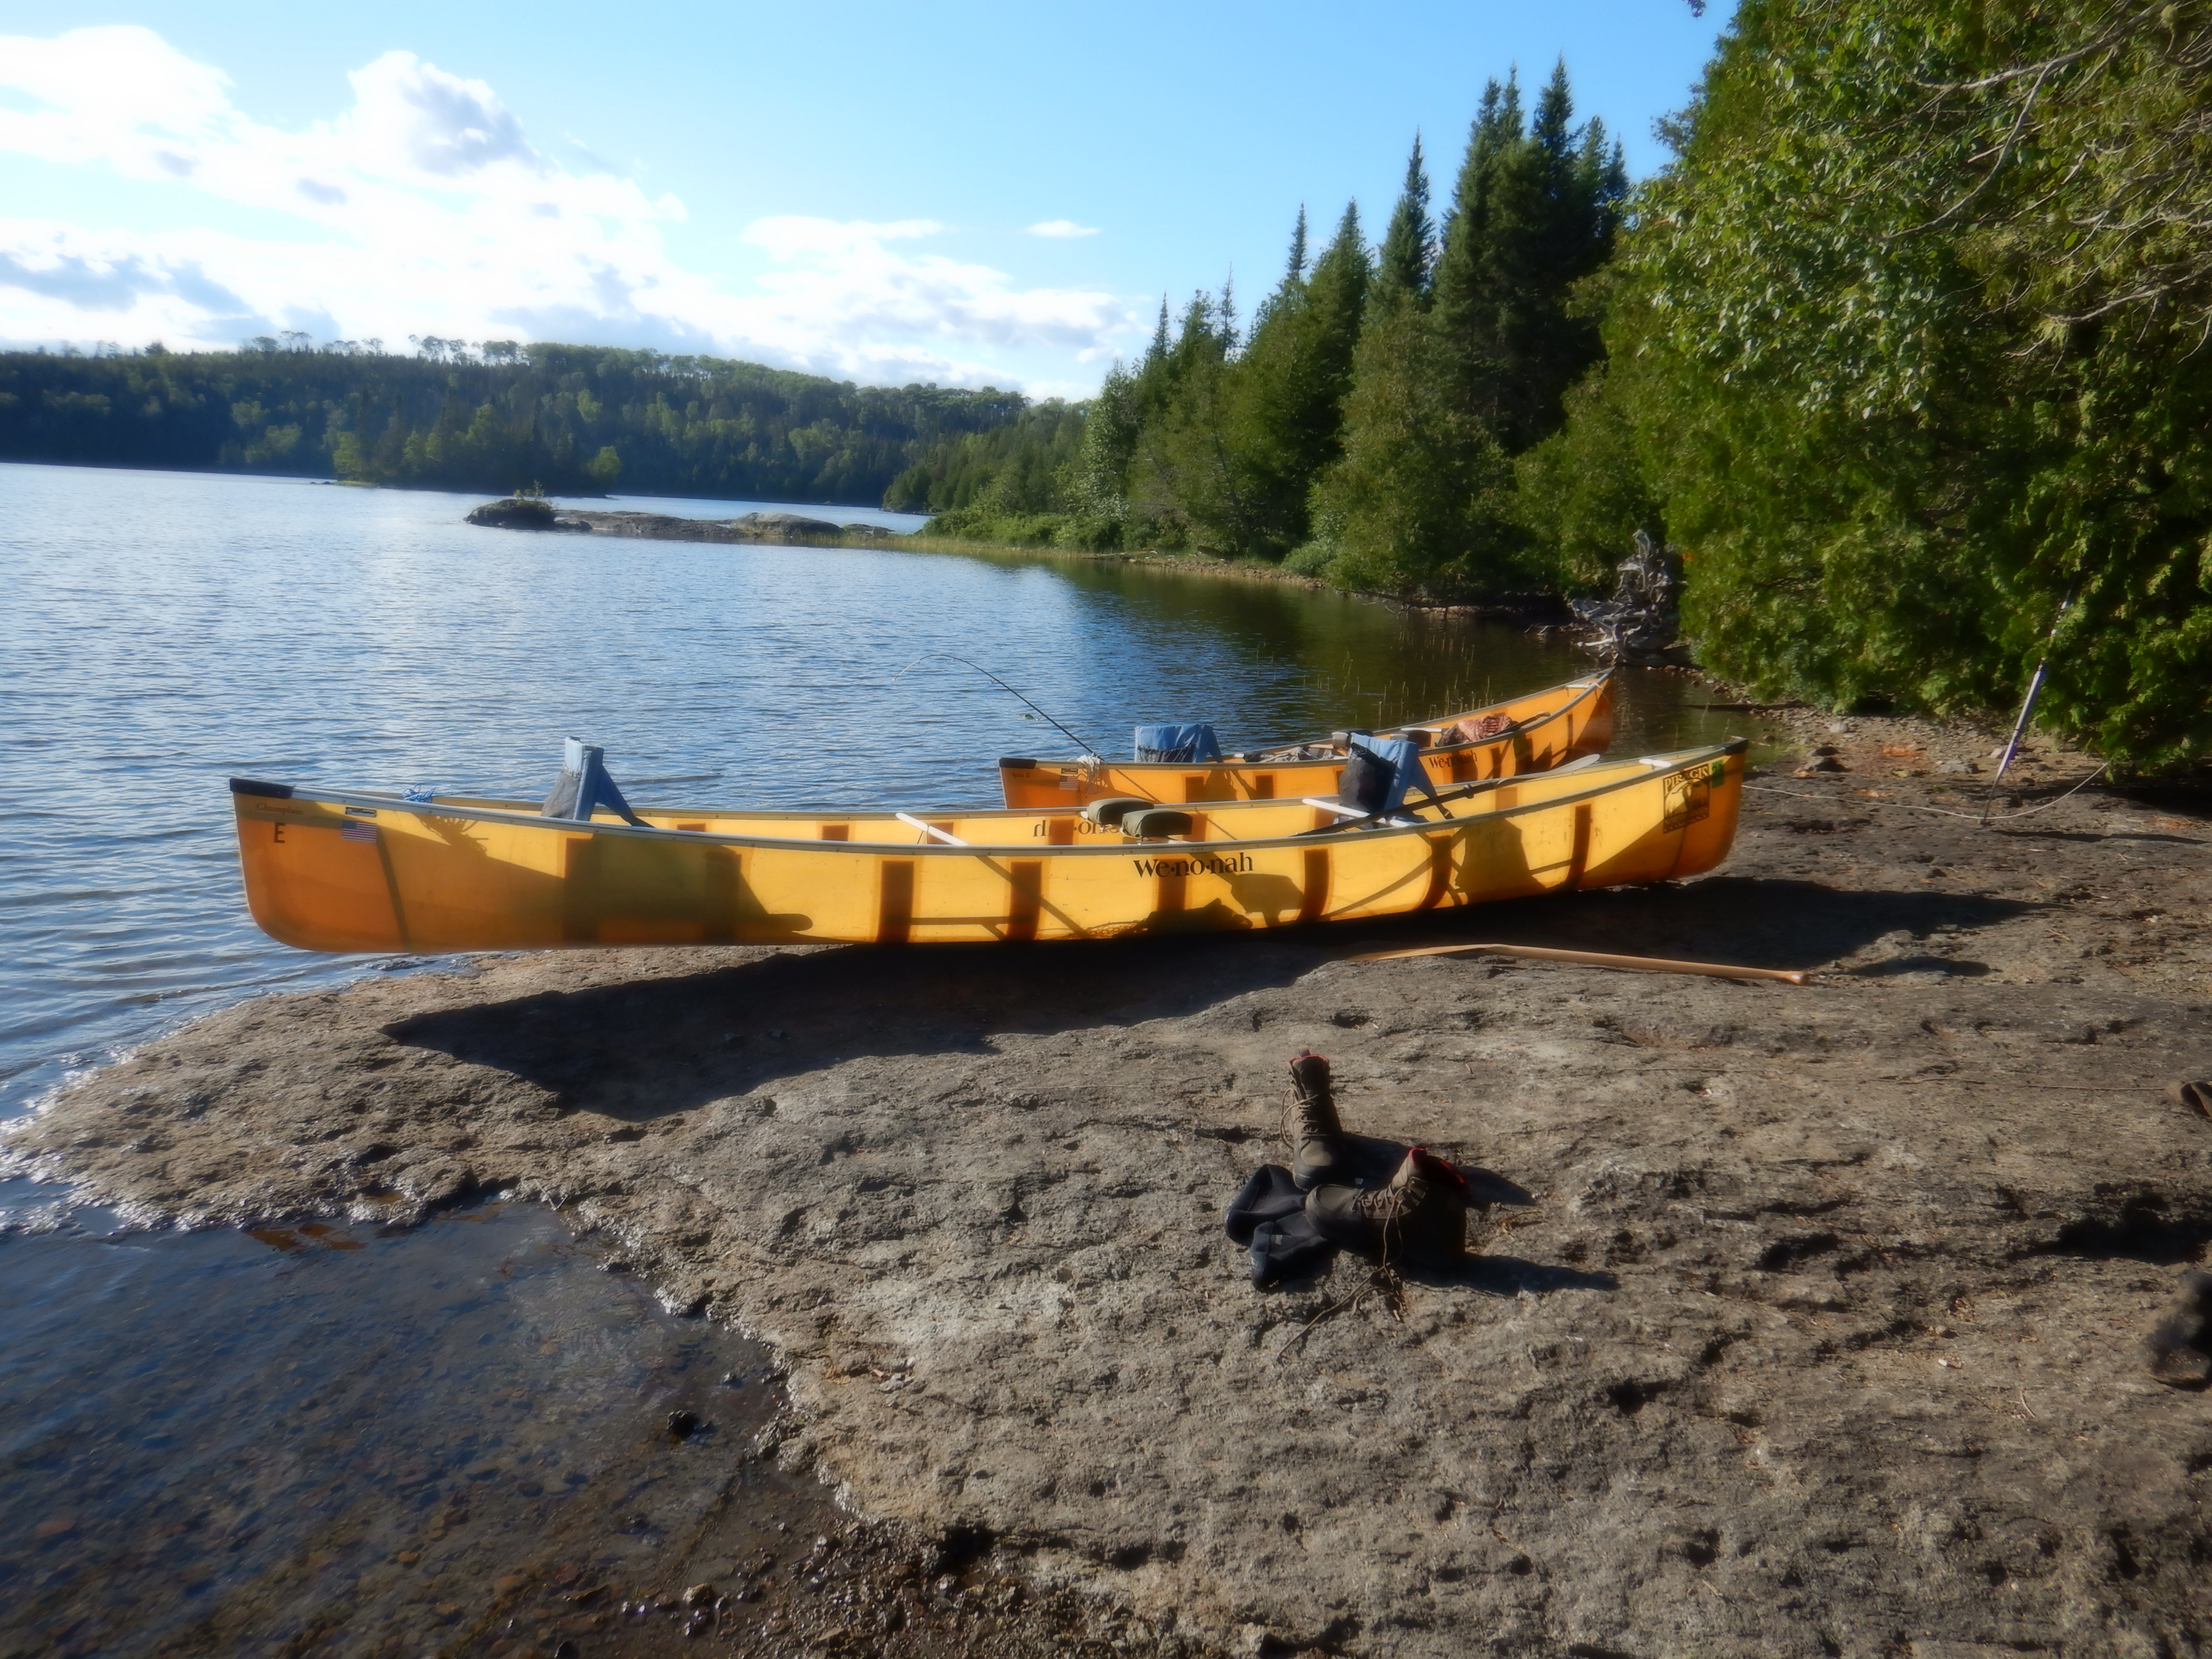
1540 613
1830 1301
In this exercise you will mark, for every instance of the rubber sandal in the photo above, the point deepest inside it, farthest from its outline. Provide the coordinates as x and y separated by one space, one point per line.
2197 1096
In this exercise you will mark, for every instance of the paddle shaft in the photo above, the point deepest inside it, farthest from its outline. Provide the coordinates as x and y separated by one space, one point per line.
1588 959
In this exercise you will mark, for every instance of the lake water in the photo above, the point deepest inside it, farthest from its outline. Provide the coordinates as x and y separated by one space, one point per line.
163 630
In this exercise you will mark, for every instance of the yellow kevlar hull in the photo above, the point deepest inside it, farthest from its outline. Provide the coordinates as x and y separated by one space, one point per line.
348 872
1557 724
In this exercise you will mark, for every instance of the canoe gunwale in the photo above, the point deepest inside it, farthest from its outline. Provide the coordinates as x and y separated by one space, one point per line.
1653 766
1589 687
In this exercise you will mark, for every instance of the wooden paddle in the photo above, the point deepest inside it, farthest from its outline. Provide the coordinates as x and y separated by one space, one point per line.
1588 959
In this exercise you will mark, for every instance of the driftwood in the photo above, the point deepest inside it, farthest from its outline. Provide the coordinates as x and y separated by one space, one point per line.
1590 959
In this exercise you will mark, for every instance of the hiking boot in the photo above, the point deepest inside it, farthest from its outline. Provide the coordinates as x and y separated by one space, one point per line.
1310 1125
1420 1217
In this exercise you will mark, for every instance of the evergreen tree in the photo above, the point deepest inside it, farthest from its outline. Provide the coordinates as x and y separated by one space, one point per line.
1180 479
1533 213
1279 405
1421 485
1409 241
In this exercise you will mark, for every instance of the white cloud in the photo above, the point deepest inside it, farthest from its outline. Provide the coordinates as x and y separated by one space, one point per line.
425 209
1061 228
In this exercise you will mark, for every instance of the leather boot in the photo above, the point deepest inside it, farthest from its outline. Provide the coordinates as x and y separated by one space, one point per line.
1418 1218
1310 1125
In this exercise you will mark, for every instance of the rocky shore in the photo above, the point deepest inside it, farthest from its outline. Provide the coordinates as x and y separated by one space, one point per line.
1822 1334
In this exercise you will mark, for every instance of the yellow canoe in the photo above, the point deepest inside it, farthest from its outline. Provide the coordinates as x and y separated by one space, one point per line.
1547 728
333 870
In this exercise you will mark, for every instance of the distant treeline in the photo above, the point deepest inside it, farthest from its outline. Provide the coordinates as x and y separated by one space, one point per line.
575 419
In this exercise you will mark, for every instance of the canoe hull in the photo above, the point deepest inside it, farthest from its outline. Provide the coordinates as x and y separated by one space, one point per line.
336 874
1559 723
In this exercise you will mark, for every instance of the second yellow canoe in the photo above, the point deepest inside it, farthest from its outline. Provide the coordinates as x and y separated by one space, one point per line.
1541 730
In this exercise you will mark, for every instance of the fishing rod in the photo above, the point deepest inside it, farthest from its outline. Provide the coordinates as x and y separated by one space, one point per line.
1089 752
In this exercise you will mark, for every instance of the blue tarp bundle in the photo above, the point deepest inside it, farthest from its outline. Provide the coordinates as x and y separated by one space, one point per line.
1185 740
1397 759
584 786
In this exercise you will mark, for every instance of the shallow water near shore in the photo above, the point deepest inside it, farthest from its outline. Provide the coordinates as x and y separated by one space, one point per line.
166 630
226 1443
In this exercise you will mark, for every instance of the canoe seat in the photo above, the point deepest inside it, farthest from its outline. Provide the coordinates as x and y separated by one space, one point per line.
1179 742
584 786
1109 811
1378 772
1156 823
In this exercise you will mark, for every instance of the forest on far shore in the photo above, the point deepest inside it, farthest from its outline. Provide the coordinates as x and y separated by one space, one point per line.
574 420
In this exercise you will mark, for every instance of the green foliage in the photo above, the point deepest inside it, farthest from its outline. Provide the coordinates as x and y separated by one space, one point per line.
1583 494
579 417
1364 426
1019 467
1904 385
1454 377
1533 213
1409 241
1416 505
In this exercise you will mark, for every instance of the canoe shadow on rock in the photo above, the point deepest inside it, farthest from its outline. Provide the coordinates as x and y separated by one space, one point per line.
648 1045
1751 920
657 1044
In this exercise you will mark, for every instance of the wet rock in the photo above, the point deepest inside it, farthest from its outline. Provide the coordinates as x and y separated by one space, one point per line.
516 513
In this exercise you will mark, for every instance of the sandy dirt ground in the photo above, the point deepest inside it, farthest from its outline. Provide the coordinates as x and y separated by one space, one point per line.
1820 1333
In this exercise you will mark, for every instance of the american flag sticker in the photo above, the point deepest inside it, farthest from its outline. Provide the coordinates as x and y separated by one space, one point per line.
355 830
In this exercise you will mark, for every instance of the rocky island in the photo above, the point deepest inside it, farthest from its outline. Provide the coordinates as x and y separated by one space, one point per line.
783 529
1822 1331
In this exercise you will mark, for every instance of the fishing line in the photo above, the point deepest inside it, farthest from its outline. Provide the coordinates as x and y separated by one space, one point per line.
1089 753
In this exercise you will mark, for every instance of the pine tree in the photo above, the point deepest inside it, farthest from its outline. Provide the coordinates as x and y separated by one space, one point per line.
1279 411
1409 241
1533 212
1181 483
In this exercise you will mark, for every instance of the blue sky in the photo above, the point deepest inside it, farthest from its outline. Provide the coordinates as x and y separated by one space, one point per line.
865 190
